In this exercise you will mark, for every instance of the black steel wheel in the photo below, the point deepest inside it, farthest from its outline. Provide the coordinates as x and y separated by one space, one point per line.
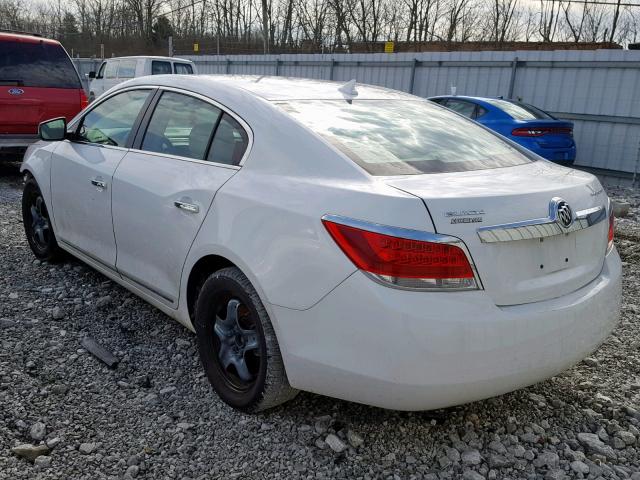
238 347
37 223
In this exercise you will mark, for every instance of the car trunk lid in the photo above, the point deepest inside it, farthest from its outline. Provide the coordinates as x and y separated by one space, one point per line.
23 108
526 270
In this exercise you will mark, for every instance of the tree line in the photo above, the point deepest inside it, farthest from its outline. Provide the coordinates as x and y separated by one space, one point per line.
144 26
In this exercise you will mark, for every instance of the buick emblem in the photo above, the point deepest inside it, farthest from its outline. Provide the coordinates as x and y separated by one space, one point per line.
563 212
15 91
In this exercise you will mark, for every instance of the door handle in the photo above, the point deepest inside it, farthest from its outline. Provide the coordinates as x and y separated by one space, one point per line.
98 183
187 207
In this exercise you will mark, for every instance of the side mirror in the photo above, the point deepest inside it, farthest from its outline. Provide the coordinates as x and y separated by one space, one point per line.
53 130
92 74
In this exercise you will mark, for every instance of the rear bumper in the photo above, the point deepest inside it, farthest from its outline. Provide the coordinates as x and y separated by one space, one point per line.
17 140
421 350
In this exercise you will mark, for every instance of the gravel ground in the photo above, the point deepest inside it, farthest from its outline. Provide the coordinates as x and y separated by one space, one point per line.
155 415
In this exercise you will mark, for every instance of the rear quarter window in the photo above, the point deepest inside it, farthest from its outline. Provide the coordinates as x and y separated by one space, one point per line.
40 64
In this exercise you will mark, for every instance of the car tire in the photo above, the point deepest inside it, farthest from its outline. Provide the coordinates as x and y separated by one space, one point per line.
37 224
238 345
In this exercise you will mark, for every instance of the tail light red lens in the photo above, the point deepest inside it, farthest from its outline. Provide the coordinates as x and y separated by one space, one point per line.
540 131
83 100
611 230
404 261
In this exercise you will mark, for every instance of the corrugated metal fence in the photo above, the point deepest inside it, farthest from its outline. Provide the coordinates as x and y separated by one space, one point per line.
598 90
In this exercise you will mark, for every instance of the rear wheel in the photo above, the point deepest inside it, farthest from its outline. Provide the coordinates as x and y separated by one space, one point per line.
238 346
37 224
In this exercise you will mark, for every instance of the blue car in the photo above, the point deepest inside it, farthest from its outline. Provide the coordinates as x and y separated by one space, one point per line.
524 124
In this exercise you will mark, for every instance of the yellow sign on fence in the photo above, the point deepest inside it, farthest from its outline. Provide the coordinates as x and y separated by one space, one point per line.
196 47
388 47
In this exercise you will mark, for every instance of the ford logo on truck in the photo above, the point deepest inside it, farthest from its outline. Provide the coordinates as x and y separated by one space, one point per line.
16 91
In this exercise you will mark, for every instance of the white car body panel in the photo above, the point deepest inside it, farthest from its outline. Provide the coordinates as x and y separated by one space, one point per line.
341 333
82 209
528 270
152 234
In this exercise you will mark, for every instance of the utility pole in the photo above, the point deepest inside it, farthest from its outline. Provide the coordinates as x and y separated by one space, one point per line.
265 25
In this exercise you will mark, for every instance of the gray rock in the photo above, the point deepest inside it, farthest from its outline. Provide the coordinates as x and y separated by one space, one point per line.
103 302
632 412
593 443
57 313
591 362
627 437
323 423
53 442
579 467
547 459
38 431
472 475
335 443
43 461
471 457
59 389
355 440
499 461
87 448
556 474
132 471
30 452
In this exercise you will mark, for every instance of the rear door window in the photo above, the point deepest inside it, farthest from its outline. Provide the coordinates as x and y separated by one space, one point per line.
127 69
160 68
183 69
181 125
404 137
40 64
112 69
110 122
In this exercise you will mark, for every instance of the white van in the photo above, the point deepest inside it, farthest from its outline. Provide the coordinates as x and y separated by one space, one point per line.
118 69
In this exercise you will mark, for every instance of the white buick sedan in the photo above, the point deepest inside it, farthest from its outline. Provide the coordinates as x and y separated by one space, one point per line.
348 240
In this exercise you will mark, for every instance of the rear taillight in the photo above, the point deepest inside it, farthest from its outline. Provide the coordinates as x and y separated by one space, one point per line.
540 131
401 257
611 231
83 100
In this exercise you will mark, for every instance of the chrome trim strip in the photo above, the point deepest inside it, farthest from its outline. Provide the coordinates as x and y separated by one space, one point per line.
410 234
541 227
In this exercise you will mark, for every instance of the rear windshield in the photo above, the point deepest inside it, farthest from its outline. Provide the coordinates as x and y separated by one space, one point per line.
36 65
519 110
404 137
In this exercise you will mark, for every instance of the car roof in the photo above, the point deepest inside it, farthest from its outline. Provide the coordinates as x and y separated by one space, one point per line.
151 57
270 88
26 38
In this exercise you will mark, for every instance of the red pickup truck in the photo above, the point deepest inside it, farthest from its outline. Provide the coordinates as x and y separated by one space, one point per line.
37 82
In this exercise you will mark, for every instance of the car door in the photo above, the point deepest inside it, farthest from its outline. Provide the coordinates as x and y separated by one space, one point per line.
164 187
82 170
